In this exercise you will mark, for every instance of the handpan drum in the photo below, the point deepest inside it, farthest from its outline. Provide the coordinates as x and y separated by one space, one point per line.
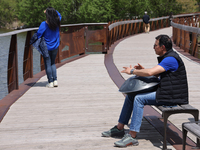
136 84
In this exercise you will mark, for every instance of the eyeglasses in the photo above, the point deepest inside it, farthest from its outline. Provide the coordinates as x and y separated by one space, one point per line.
154 46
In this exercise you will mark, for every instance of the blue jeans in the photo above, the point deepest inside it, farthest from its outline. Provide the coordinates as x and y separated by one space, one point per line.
135 104
50 66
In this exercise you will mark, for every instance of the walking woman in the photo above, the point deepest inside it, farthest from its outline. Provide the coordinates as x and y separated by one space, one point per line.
49 29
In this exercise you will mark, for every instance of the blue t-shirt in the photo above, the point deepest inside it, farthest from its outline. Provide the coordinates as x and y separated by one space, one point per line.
52 37
169 63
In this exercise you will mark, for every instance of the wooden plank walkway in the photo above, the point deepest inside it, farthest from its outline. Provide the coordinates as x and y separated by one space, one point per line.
87 102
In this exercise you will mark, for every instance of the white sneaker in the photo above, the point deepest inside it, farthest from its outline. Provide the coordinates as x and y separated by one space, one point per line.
55 83
50 85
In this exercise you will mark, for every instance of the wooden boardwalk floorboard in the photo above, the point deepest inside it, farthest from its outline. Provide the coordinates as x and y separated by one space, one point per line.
87 102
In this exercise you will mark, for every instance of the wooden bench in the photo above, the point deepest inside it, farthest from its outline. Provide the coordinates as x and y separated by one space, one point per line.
169 110
194 128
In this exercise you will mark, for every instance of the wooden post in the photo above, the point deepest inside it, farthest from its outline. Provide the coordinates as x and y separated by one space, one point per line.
161 23
12 76
123 30
116 32
28 58
194 44
131 29
157 25
182 36
178 38
127 33
120 31
187 42
152 26
140 27
135 28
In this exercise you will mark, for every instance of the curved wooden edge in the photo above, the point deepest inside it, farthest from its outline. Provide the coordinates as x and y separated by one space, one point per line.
13 96
174 135
188 55
110 66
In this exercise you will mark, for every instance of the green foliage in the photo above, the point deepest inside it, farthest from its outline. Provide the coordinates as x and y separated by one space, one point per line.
7 11
198 5
138 7
31 13
164 7
188 6
95 11
69 11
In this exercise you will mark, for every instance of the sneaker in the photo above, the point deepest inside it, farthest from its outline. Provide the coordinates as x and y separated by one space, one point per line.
113 132
50 85
55 83
127 140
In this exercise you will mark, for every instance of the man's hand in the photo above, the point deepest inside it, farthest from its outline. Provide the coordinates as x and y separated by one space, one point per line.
45 11
139 66
127 70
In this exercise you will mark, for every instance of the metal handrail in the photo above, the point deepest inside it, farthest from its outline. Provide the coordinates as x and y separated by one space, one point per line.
62 26
132 21
186 28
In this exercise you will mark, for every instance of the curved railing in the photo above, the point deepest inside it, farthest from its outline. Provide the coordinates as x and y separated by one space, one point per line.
120 29
186 33
77 39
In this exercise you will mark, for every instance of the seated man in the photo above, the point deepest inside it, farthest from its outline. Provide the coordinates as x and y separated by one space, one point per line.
172 90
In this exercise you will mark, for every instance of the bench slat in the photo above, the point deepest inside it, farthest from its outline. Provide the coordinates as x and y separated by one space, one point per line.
188 107
178 107
194 128
162 108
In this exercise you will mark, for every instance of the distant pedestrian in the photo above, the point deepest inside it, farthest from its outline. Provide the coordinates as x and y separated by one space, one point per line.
146 19
170 18
49 29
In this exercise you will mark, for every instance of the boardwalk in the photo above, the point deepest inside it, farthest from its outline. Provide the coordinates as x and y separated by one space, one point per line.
87 102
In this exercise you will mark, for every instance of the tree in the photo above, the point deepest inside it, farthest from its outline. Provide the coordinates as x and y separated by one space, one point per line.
80 11
138 7
31 12
7 11
198 3
95 11
188 6
164 7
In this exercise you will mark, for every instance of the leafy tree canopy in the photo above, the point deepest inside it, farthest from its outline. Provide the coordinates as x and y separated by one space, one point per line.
7 11
188 6
81 11
95 11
